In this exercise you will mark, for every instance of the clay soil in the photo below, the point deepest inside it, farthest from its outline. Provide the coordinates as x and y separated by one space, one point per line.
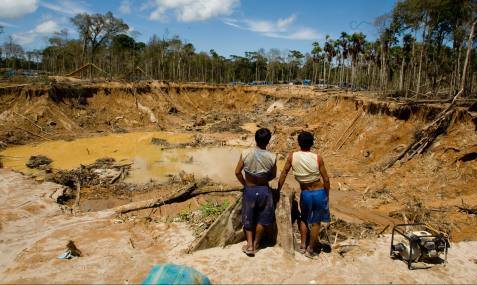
356 134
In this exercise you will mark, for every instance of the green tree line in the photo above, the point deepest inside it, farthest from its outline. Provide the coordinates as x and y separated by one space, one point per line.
421 51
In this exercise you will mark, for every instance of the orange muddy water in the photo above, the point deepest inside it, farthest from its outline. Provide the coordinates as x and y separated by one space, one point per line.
150 162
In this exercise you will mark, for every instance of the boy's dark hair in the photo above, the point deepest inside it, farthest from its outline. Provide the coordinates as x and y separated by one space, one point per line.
262 137
305 140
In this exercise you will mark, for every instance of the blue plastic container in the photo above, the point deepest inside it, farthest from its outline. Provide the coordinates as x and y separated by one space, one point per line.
169 273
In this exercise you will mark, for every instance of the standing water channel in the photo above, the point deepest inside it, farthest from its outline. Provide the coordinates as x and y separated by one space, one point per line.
150 161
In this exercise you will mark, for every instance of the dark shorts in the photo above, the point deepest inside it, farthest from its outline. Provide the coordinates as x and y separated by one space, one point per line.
314 206
257 207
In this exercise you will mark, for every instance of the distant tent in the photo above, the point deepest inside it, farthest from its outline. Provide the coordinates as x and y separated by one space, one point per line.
137 74
88 67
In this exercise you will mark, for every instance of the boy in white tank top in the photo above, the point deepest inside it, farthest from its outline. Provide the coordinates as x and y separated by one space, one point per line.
310 172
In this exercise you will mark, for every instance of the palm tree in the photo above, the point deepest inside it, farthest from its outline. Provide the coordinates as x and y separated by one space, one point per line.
330 54
343 44
357 41
316 55
295 62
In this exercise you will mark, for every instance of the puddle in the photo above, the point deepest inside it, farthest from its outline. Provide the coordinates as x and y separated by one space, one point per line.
250 127
149 161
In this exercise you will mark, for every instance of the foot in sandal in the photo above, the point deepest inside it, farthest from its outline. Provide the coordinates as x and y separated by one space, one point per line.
249 251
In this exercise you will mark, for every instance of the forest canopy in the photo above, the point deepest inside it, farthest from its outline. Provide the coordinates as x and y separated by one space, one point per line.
420 51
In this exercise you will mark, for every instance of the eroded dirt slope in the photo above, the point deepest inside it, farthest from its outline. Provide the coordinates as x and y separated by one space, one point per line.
356 134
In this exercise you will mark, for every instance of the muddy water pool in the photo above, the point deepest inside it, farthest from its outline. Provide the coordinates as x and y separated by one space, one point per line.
149 161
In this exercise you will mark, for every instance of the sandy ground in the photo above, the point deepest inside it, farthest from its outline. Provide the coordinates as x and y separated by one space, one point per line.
34 231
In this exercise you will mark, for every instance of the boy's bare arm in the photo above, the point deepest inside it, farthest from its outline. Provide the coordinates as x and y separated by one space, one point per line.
238 172
324 175
283 175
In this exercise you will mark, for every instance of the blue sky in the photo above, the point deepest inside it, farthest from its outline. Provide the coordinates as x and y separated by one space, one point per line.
228 26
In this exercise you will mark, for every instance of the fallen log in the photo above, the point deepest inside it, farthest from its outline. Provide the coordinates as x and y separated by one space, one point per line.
181 194
347 129
216 189
425 137
227 229
285 237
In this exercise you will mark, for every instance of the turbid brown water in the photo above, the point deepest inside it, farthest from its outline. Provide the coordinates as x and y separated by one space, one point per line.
150 162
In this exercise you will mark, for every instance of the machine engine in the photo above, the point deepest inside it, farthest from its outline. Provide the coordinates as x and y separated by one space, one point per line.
416 246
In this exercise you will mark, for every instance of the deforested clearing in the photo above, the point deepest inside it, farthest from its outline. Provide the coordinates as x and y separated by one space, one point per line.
121 153
357 135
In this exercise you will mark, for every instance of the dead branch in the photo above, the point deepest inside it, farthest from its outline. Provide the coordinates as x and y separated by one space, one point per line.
383 230
33 134
33 123
120 174
349 127
181 194
78 193
467 209
347 137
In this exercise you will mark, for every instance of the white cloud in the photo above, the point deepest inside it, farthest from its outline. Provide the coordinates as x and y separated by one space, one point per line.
11 9
7 25
67 7
47 27
24 38
304 34
125 7
43 29
281 28
262 26
191 10
284 23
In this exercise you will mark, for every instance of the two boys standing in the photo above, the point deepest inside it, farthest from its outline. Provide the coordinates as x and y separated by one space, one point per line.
258 212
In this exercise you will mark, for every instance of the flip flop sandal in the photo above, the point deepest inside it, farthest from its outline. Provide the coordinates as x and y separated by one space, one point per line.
311 255
249 253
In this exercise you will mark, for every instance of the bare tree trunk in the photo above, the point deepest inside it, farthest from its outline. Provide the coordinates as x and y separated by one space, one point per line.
352 73
467 57
418 87
401 76
457 76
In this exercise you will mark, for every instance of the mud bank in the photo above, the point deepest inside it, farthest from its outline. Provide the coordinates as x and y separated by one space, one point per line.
35 231
355 133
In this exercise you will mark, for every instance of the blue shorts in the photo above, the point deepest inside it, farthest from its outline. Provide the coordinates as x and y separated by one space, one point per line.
257 207
314 206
